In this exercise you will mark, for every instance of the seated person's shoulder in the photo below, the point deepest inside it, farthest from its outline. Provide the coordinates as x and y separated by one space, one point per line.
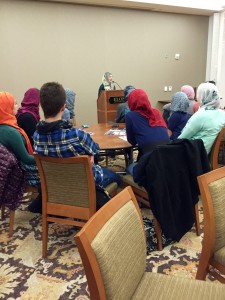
9 129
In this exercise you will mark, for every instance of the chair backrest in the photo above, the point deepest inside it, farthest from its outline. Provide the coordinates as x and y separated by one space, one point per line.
212 186
68 182
113 248
214 153
12 179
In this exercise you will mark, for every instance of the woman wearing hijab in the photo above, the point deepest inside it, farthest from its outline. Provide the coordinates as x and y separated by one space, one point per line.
178 119
145 126
193 105
208 121
123 108
107 83
12 136
69 114
28 114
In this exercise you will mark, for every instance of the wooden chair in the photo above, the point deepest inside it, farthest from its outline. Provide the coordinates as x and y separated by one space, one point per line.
214 153
29 194
142 196
68 190
212 260
12 185
113 251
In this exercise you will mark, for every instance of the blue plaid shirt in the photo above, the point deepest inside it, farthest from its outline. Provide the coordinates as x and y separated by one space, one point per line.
63 141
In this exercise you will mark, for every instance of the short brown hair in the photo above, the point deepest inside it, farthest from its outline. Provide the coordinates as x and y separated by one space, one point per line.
52 98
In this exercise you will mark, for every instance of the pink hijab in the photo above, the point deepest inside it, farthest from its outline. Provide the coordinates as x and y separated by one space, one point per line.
189 91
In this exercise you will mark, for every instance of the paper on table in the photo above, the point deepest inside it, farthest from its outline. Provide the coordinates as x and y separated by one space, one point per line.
120 132
123 137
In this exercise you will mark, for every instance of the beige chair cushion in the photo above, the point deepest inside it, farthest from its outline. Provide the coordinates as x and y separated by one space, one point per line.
163 287
218 197
128 180
74 180
122 258
220 256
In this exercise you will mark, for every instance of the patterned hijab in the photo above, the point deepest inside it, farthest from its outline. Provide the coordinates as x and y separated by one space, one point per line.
127 90
208 96
179 102
7 102
105 81
70 101
30 103
189 91
138 101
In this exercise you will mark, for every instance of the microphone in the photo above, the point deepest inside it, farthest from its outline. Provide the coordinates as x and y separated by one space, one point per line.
117 84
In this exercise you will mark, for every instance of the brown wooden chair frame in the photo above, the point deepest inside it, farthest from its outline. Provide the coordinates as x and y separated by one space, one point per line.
164 284
214 154
29 193
86 235
142 196
209 240
55 212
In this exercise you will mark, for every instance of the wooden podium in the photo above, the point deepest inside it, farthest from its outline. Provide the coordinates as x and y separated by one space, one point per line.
107 103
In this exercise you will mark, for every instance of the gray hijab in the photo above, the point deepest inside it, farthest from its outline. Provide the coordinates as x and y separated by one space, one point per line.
105 81
208 96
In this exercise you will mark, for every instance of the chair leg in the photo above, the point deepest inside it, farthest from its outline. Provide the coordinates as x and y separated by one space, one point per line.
2 211
197 224
11 222
158 234
203 266
44 236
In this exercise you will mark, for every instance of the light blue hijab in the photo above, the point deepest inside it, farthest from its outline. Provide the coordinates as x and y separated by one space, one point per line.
179 102
70 101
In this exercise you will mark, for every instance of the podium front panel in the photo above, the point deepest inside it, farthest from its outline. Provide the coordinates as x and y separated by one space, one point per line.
107 104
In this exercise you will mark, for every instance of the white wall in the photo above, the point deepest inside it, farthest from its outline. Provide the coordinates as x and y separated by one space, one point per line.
216 52
75 45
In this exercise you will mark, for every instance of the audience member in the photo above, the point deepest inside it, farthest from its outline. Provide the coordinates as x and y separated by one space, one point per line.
57 138
107 83
28 114
69 114
179 116
144 125
123 108
193 105
12 136
207 122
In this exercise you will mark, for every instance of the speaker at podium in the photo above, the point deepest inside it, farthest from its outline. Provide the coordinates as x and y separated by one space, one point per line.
107 103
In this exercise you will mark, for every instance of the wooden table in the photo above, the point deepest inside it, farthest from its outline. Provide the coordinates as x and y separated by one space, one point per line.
107 141
110 142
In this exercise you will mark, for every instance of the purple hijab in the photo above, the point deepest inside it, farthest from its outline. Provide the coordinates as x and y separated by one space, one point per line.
30 103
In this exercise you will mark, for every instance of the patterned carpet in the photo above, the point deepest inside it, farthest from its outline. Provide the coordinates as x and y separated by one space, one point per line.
25 275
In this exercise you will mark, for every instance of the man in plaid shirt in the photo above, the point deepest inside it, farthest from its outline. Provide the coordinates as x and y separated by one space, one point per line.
57 138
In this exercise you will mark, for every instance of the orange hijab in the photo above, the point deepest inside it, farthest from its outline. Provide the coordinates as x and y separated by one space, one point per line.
7 102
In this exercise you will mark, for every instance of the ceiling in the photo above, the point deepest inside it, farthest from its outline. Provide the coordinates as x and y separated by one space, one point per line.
199 9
